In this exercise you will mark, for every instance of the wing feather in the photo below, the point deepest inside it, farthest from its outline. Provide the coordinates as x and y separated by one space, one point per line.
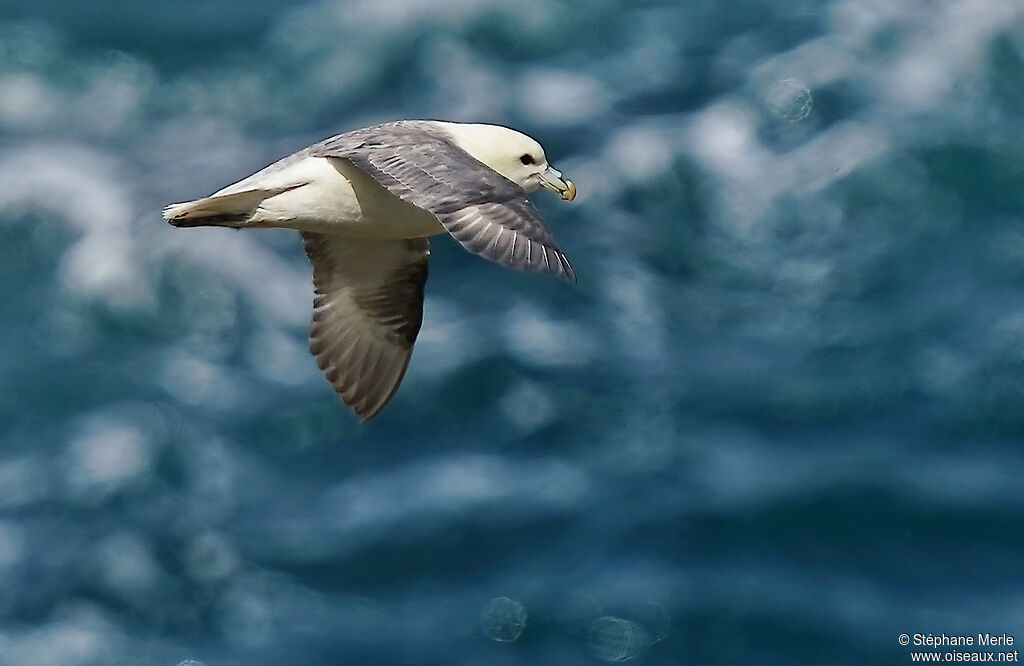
367 311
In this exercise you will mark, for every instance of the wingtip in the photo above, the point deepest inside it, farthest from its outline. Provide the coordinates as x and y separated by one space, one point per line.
364 413
567 272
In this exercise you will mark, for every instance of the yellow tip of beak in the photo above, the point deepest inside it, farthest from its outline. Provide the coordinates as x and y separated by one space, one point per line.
569 193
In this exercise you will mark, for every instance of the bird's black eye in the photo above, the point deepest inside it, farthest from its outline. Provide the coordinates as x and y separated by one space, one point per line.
527 158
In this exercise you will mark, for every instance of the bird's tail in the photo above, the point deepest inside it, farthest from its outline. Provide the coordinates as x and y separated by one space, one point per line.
220 210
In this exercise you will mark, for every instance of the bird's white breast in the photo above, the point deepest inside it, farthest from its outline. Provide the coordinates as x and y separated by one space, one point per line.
331 196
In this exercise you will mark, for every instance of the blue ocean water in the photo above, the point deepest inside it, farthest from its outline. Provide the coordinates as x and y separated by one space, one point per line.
778 421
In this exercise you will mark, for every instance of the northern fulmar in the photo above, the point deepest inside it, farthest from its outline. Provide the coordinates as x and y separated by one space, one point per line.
365 202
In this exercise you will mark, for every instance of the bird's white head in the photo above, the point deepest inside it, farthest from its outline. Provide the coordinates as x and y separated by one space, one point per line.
512 154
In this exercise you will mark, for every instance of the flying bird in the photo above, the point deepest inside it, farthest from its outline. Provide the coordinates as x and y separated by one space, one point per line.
365 202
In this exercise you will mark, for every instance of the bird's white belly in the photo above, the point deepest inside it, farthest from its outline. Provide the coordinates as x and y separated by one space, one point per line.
334 197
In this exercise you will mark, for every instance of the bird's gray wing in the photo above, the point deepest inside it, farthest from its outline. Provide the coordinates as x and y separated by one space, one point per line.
367 312
484 211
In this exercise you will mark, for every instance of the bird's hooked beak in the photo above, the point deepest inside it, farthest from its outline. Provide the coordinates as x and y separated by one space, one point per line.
552 179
